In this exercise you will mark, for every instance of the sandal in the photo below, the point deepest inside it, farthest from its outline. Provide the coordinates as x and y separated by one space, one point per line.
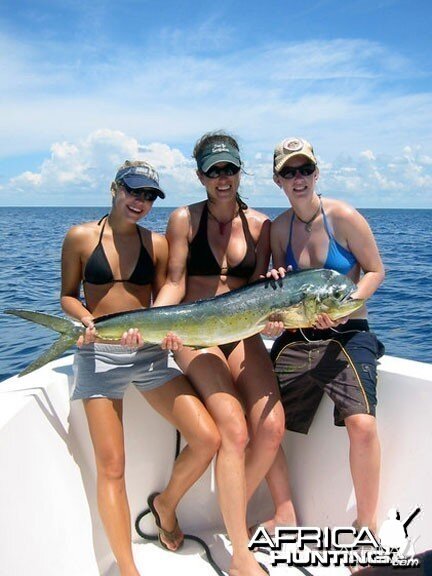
172 535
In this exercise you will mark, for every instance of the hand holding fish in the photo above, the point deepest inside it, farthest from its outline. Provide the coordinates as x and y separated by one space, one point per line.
324 322
275 326
89 335
172 342
132 338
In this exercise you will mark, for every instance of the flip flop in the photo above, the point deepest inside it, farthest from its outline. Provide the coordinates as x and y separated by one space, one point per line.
172 535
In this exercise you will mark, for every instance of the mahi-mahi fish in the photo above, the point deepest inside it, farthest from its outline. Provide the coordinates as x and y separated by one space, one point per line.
296 300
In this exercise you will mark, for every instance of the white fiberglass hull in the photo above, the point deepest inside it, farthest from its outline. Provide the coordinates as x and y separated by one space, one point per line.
49 525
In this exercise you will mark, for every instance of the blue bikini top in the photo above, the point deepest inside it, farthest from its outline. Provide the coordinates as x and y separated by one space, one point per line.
338 257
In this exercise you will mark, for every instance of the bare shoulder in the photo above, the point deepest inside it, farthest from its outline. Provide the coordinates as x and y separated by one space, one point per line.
339 210
280 222
346 220
181 216
82 233
185 219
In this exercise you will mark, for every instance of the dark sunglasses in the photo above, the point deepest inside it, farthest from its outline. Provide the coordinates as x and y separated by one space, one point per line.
228 170
305 170
144 194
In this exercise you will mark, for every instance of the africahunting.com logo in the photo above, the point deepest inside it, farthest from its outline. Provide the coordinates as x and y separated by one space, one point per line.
340 546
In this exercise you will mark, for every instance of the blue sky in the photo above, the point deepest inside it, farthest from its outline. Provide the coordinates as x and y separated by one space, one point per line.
86 85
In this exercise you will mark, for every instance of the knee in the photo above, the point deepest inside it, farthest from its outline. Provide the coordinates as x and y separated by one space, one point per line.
111 465
209 441
362 429
234 436
272 430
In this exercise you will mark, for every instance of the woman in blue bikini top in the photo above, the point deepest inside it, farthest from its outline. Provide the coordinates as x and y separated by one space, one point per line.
320 232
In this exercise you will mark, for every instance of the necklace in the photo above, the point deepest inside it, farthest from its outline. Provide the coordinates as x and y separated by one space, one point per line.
308 223
222 225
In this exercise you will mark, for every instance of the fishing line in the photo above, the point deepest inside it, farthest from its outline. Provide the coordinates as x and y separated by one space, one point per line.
333 329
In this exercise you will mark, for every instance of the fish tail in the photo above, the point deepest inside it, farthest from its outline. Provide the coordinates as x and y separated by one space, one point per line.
68 330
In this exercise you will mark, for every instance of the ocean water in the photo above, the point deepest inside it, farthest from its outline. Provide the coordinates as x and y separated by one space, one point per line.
30 245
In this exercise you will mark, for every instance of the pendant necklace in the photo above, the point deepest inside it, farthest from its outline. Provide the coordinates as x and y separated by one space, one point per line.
222 225
308 223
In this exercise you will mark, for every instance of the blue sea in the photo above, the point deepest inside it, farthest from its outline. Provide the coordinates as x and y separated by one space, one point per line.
30 245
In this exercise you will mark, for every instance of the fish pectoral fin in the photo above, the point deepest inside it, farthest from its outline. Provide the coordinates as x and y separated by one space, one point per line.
294 316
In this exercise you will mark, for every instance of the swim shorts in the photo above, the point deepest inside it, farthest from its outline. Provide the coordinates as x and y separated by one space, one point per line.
105 370
342 363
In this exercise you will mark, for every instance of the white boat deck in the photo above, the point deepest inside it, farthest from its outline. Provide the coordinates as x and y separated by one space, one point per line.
47 486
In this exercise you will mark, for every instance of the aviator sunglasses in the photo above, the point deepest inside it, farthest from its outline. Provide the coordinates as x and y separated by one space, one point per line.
290 172
144 194
216 171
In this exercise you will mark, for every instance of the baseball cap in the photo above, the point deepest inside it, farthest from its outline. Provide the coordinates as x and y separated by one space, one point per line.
290 148
217 152
141 176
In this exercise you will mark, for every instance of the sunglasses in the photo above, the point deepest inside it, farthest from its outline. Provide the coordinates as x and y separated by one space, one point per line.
305 170
228 170
144 194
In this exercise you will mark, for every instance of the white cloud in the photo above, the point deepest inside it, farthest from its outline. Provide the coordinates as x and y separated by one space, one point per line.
340 93
79 173
348 96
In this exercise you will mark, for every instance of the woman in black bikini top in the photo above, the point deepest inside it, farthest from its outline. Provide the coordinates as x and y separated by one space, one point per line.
218 245
122 266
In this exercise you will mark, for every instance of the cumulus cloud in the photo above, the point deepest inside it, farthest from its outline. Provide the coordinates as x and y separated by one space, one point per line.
79 173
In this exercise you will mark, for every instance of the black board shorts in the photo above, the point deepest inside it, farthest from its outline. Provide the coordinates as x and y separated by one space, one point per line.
342 364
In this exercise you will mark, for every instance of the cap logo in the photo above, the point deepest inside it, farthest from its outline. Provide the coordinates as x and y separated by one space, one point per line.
292 145
218 148
146 171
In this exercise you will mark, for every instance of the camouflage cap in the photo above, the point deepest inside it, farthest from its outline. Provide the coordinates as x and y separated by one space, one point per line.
290 148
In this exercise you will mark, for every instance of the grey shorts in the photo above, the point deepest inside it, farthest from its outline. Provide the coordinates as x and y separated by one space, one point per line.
105 370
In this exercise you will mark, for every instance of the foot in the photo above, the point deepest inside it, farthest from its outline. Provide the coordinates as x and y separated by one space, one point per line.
169 533
357 524
247 566
131 572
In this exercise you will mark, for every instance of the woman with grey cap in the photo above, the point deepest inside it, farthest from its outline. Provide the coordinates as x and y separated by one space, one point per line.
122 266
341 356
218 245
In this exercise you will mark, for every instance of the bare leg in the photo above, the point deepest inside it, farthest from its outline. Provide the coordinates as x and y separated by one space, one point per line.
210 374
256 382
365 458
105 423
279 486
178 403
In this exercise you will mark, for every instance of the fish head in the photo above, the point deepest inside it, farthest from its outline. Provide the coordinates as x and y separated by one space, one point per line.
333 297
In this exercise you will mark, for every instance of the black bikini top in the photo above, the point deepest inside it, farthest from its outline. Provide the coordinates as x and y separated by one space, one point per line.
202 262
98 270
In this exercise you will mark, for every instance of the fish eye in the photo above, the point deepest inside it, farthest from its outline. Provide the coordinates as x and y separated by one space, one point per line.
337 294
